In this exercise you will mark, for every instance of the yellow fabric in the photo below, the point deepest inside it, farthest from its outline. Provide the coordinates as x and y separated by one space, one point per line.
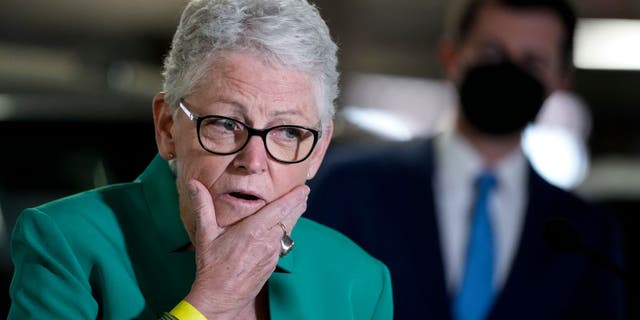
185 311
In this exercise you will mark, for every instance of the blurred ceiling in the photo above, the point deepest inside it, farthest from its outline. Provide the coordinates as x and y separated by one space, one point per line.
377 35
62 18
76 51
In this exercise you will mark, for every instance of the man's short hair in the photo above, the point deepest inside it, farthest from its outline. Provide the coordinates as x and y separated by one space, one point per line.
465 17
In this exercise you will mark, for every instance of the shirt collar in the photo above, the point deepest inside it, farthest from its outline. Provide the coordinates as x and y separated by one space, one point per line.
511 171
457 161
460 163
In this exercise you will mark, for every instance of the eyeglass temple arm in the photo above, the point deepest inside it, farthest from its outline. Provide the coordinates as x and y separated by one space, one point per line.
190 115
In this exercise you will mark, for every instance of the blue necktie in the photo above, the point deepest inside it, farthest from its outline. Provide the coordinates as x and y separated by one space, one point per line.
475 295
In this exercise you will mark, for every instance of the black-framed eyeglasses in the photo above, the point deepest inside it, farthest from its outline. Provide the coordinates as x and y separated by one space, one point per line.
224 136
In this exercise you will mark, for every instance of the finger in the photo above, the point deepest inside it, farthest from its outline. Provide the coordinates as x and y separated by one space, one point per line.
206 225
286 225
290 220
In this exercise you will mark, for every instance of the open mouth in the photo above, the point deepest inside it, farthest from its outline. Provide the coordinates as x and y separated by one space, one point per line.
244 196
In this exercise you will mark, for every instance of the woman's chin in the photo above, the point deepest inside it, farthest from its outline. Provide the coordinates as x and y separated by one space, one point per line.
230 210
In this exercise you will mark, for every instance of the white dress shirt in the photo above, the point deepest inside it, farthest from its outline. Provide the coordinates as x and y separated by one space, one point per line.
457 167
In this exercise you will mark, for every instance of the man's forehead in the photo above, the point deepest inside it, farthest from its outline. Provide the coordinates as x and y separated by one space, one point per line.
518 26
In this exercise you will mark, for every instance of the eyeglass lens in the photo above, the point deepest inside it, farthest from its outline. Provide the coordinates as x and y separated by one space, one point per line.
284 143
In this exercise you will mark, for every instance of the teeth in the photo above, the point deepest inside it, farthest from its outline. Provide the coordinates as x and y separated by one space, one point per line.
243 196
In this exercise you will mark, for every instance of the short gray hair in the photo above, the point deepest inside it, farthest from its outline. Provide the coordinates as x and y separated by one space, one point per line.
288 33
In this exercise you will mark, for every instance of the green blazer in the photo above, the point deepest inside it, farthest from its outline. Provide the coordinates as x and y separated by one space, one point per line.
114 253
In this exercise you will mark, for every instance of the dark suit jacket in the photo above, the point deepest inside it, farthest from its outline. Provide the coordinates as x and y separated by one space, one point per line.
383 199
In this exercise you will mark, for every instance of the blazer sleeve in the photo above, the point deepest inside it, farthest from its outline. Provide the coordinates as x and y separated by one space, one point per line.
49 281
384 307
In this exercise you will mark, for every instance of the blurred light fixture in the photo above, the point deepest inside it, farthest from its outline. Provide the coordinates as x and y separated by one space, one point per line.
607 44
556 144
38 65
380 122
556 155
7 107
422 106
613 177
134 77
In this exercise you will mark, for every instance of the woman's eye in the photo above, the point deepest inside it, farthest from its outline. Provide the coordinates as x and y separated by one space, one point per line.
220 126
228 124
225 124
292 133
287 134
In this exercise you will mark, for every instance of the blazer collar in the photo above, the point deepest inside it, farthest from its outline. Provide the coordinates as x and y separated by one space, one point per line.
161 195
159 188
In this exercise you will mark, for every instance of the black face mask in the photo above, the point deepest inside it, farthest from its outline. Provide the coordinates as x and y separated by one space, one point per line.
500 99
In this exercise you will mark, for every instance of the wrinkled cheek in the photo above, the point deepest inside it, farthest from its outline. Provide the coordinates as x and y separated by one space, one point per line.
296 176
199 170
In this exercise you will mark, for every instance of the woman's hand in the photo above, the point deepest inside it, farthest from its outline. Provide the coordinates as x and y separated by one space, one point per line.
233 264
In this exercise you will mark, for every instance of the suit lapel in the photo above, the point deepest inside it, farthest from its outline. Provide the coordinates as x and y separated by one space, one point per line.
530 253
155 234
436 291
282 303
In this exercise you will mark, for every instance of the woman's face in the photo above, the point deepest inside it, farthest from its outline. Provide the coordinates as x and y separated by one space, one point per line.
241 87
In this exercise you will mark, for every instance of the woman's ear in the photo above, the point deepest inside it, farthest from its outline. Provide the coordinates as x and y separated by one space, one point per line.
163 122
319 152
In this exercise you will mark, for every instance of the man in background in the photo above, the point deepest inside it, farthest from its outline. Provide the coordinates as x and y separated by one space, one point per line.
467 228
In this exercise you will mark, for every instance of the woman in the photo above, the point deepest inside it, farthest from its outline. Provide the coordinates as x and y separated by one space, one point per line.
206 230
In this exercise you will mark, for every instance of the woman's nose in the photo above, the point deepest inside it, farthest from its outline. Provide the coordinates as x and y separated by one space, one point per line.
253 157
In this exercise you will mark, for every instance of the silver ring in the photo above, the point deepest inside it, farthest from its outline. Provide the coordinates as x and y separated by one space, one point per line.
286 243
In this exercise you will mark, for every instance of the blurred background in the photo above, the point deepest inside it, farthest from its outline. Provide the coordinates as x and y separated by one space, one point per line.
77 78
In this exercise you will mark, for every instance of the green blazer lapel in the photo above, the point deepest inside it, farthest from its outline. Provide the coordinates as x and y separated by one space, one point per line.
283 302
158 236
282 290
159 188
